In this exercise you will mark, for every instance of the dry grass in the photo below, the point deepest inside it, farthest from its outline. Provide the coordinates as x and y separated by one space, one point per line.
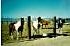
6 37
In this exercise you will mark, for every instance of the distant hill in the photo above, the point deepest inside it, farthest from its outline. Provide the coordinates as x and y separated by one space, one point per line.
32 19
67 19
9 19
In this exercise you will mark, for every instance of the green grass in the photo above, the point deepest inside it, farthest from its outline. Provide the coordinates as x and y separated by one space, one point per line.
66 28
6 37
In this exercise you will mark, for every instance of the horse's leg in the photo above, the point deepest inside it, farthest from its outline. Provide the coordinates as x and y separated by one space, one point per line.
11 35
36 31
61 31
33 31
14 34
21 34
17 34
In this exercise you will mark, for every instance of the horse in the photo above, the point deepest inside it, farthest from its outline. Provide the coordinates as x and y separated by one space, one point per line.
15 27
60 24
45 22
37 24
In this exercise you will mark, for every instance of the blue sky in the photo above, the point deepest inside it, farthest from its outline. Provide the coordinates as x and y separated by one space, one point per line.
43 8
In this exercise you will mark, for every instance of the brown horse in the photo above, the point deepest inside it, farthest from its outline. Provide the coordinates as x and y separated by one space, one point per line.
45 23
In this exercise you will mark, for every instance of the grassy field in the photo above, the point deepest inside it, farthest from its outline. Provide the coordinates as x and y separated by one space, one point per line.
6 38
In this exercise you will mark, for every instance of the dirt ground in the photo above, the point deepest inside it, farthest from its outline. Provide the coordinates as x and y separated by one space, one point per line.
58 41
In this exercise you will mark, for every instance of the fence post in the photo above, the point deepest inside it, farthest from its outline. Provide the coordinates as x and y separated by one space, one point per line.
39 19
29 26
22 23
1 22
54 29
